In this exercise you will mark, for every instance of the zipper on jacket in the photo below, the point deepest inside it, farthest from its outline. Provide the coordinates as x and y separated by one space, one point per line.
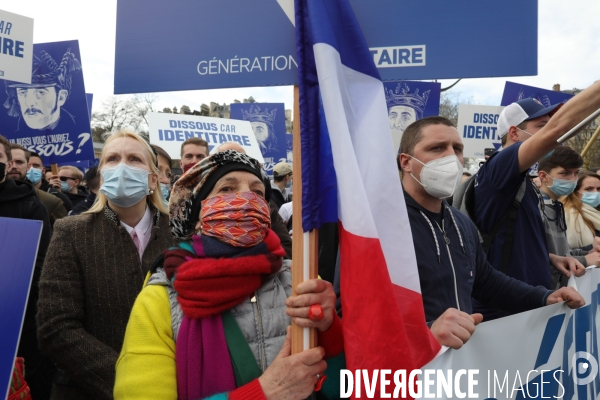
261 343
447 241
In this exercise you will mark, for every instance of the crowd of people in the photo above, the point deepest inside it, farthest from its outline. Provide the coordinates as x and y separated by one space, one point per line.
154 286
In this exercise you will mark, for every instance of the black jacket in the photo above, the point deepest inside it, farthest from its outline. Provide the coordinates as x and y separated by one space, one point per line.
85 205
78 197
47 188
451 274
18 199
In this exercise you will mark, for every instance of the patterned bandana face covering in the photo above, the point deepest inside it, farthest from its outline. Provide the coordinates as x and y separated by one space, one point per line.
240 219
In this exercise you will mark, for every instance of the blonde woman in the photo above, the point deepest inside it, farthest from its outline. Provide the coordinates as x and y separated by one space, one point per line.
95 268
583 220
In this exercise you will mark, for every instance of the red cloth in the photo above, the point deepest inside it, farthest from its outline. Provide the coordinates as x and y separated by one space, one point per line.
332 340
250 391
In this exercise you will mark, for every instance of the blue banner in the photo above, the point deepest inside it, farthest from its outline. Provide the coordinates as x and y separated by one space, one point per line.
268 124
516 91
409 101
16 269
255 43
50 116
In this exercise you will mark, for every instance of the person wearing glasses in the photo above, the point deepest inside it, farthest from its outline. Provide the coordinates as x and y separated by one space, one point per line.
70 180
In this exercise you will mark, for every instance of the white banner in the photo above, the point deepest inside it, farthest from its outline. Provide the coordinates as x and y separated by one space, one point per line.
16 47
477 127
551 352
169 131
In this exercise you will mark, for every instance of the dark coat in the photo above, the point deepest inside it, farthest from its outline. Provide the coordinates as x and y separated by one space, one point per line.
91 278
462 272
56 208
45 187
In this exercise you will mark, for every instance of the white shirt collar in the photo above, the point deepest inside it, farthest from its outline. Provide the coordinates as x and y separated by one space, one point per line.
142 227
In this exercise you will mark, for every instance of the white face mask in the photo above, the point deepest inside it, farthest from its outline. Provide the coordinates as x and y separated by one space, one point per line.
440 177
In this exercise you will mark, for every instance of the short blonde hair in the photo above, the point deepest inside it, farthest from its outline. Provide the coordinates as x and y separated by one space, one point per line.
75 172
155 198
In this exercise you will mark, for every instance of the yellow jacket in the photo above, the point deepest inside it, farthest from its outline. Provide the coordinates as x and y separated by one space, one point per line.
149 332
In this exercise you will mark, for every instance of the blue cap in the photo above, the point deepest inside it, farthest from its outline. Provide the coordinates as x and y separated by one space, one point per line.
535 109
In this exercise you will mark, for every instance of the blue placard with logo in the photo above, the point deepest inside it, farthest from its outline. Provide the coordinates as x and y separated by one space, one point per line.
516 91
268 124
89 97
16 269
185 45
409 101
50 116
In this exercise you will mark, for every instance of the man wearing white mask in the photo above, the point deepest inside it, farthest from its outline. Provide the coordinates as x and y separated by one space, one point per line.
452 265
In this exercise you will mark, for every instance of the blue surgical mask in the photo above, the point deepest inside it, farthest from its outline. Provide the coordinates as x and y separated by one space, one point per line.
124 185
591 198
34 175
288 185
562 187
165 190
64 186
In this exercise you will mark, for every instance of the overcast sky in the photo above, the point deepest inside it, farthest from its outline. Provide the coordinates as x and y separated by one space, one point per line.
569 51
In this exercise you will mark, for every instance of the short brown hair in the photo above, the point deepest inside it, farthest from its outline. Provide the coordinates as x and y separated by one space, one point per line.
161 152
76 173
4 142
16 146
197 142
413 133
563 157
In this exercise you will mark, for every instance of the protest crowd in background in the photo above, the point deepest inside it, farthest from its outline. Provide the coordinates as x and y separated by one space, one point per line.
164 278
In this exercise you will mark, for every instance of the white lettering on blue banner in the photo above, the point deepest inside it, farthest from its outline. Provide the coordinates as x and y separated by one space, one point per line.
399 56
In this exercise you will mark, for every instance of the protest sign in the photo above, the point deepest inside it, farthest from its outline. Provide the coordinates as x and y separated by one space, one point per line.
408 101
169 131
256 42
16 269
551 352
516 91
289 138
268 124
16 47
477 127
50 115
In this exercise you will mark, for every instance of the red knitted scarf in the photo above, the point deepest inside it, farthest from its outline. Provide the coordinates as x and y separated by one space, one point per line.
217 276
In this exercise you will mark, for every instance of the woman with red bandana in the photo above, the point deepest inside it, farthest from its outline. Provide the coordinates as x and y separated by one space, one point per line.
212 320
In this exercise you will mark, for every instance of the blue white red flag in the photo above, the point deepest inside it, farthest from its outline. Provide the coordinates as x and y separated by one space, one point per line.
350 176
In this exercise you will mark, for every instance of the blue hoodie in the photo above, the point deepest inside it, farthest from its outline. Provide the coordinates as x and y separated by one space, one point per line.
451 274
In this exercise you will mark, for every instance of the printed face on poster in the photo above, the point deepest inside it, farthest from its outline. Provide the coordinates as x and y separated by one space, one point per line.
516 91
16 47
477 128
169 131
50 116
409 101
268 124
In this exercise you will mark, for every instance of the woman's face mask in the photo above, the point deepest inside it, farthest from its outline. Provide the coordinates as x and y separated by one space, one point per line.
241 219
591 198
124 185
440 177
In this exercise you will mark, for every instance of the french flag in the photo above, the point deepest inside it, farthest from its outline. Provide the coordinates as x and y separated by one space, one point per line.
350 177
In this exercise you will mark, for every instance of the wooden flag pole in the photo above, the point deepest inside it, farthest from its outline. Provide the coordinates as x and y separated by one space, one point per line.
54 168
304 244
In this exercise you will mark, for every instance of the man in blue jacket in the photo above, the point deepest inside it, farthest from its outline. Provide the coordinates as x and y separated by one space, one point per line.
452 265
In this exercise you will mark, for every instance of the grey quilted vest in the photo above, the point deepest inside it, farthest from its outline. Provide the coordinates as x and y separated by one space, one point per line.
262 318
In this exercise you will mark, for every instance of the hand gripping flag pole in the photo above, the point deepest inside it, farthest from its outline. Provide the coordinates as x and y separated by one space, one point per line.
577 128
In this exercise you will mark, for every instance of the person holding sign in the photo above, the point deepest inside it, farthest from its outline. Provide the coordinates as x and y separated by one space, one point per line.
95 268
213 316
